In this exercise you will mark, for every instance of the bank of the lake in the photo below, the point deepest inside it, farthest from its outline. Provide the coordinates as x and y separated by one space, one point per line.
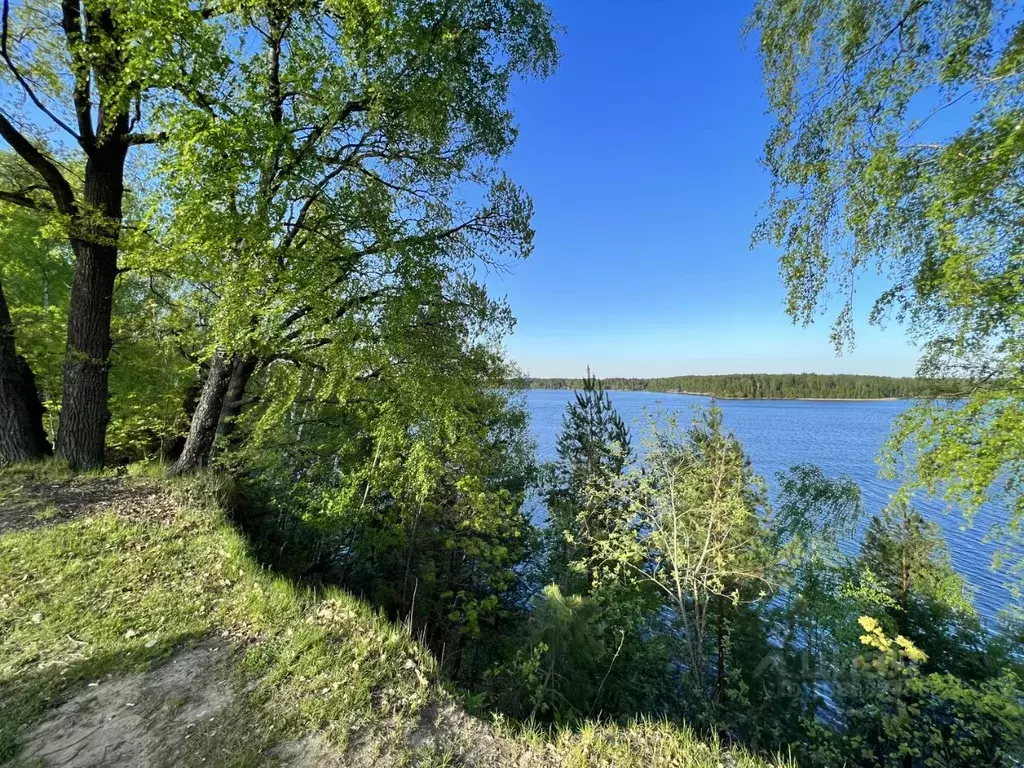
774 386
805 399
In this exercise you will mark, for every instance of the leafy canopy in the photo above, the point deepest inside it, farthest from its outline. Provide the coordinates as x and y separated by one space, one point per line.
897 149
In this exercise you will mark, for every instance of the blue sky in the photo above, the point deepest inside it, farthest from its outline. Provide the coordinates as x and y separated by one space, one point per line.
641 155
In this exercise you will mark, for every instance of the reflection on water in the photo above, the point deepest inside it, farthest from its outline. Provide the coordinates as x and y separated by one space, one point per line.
840 437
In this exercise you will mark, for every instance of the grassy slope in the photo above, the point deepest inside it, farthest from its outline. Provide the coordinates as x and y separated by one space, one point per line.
98 588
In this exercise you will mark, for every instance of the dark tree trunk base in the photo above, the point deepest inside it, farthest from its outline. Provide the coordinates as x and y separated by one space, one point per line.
82 428
22 437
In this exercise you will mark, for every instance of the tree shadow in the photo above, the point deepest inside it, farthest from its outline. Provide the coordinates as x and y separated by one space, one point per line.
539 662
283 542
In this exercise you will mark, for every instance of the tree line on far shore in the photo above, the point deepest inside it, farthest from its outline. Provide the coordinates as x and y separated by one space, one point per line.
772 386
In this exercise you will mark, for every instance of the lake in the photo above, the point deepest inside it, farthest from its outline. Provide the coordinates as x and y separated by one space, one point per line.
841 437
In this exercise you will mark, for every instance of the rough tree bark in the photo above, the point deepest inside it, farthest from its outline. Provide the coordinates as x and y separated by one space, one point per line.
203 429
103 130
242 369
22 437
84 413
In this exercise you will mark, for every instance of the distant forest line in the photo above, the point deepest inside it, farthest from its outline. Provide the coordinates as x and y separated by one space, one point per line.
772 386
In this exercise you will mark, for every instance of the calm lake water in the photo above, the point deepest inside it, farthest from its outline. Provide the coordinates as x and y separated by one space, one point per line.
840 437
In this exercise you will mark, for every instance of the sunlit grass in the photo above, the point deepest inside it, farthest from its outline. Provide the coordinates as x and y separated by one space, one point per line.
107 593
103 593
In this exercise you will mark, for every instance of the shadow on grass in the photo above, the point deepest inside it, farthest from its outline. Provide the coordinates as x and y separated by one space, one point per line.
487 666
284 543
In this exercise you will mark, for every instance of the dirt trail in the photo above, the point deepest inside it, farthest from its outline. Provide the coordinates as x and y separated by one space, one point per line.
138 720
171 715
35 503
168 716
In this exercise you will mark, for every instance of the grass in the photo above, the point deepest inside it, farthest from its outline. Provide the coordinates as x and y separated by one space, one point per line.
48 512
102 594
106 593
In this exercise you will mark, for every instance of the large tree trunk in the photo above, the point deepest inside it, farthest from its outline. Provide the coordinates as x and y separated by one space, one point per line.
93 46
82 429
242 369
203 430
22 437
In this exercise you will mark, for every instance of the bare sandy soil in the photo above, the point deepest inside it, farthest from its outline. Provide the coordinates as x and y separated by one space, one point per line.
168 716
139 720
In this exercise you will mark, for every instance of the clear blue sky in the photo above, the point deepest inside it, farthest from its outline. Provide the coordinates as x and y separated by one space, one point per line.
641 155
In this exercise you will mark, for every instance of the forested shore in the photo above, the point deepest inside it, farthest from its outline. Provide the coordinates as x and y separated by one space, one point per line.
775 386
245 247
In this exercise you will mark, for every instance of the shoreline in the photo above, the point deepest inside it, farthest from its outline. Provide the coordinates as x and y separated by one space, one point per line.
806 399
739 397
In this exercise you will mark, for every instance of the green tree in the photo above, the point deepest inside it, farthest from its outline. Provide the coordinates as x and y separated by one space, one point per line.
897 150
813 515
405 487
898 715
90 71
775 386
693 529
570 638
593 448
149 373
904 560
346 164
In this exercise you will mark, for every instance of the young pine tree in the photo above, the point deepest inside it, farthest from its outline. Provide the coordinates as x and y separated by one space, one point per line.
593 449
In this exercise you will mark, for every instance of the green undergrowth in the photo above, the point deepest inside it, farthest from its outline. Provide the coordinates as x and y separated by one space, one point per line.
109 592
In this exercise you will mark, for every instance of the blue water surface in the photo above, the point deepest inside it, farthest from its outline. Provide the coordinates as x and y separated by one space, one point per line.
841 437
